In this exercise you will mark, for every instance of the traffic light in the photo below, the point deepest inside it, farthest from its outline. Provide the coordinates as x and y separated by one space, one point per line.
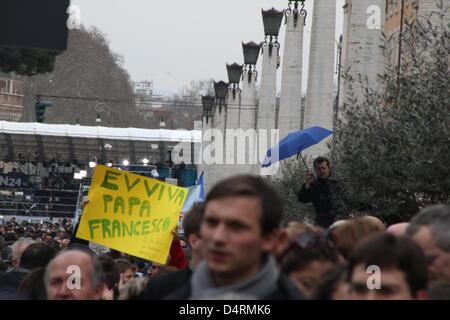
40 110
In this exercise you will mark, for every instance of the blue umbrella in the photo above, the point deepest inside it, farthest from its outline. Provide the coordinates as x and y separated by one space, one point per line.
294 143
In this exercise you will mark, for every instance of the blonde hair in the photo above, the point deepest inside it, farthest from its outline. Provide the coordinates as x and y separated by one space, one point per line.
133 289
347 235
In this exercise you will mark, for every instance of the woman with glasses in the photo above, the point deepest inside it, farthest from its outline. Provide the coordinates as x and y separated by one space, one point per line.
310 256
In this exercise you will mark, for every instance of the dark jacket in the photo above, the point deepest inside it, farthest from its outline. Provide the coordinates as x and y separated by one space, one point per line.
329 199
163 285
10 282
74 239
285 290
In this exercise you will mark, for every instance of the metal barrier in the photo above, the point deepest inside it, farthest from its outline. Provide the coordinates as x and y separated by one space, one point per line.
39 202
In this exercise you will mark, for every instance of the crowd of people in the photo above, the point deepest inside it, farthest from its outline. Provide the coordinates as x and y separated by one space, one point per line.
236 245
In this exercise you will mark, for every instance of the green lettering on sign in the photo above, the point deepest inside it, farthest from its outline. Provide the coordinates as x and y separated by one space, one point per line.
128 230
105 228
110 175
145 207
152 190
129 187
116 228
133 201
119 202
180 196
106 198
145 226
93 224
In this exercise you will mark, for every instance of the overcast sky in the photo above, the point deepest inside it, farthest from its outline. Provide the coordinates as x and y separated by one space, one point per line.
174 42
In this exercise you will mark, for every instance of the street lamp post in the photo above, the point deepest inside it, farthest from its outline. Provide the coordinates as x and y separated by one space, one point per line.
234 77
208 104
220 90
296 11
251 54
272 22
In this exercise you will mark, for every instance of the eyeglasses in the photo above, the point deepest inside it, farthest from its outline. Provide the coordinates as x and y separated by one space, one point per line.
309 239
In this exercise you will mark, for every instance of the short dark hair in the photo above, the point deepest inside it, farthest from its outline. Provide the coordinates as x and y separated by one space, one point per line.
320 160
252 186
32 286
386 250
297 258
36 255
123 265
330 281
193 219
111 274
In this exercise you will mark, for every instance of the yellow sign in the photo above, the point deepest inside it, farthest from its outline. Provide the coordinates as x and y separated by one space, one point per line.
131 213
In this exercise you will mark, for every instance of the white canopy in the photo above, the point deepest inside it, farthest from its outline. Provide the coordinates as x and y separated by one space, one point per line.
21 141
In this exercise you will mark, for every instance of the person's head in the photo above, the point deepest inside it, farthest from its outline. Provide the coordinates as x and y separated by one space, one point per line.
159 269
430 229
398 229
287 235
65 243
127 271
322 167
18 248
111 274
308 258
191 226
6 256
36 255
239 227
2 242
74 274
348 234
32 286
395 264
333 285
133 290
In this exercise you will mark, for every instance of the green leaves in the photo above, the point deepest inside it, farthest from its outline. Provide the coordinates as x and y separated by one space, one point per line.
27 62
392 149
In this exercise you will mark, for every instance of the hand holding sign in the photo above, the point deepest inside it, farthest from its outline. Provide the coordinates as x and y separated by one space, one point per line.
131 213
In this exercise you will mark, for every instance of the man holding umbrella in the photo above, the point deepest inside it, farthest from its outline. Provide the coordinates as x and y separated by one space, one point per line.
327 195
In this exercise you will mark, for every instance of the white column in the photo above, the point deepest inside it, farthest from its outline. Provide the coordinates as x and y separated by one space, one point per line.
248 120
361 53
267 99
233 110
219 124
267 96
207 169
248 102
291 85
320 93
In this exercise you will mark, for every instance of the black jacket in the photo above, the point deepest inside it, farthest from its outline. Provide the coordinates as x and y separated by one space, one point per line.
329 199
285 290
163 285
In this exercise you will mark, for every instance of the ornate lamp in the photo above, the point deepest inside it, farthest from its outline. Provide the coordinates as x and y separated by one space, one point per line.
251 54
272 19
234 77
221 90
296 11
208 104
